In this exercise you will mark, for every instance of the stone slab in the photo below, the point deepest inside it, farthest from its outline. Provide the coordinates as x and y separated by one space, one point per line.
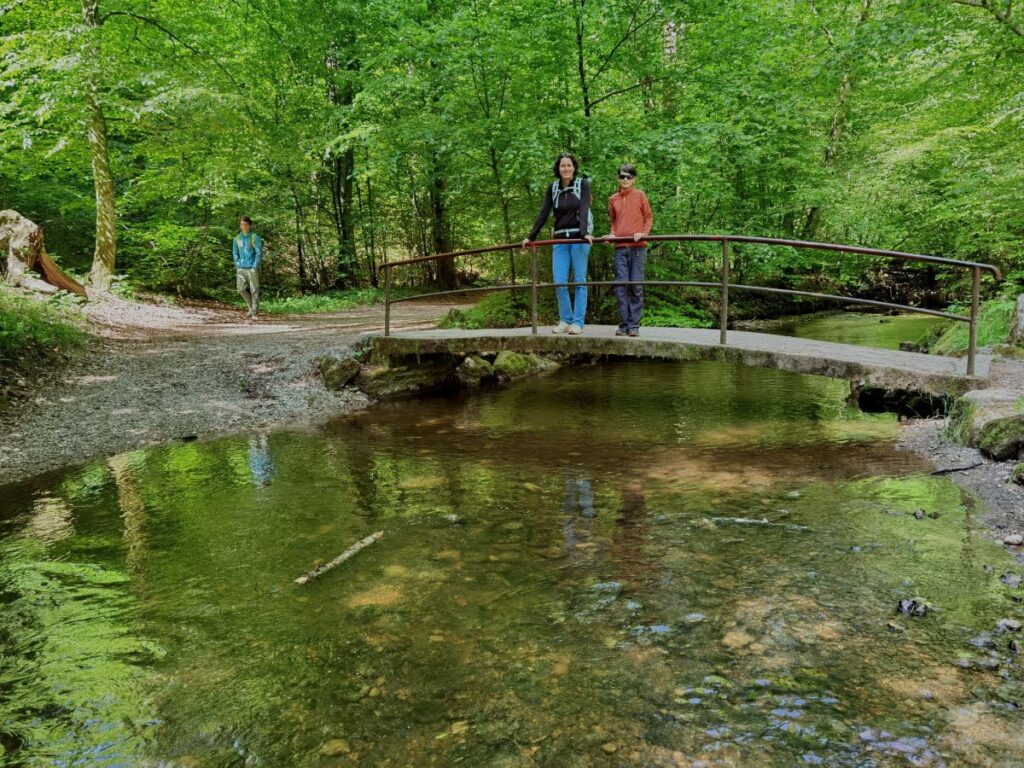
867 366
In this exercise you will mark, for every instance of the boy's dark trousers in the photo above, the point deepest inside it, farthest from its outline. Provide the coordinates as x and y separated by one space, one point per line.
629 265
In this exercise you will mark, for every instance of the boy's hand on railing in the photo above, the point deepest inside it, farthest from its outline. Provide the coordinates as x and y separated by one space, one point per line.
526 241
589 239
638 236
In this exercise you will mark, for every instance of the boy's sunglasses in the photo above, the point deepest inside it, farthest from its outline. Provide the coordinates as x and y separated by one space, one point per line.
625 176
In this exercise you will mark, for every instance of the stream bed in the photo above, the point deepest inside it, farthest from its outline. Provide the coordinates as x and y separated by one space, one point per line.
625 564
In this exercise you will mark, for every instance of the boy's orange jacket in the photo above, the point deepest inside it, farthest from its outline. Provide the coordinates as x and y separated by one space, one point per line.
630 213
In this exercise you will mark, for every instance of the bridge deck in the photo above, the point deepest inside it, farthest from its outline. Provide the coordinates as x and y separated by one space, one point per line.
890 369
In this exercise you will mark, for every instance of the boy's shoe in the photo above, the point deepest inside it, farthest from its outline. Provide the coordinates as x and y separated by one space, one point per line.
574 330
635 332
560 328
620 331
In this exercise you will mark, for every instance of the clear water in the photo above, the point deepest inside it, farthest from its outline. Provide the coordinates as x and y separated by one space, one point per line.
618 565
868 329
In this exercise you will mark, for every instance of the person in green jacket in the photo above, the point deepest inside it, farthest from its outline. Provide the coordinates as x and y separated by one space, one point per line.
247 251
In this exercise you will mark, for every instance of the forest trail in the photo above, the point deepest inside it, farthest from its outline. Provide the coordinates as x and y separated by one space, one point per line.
169 372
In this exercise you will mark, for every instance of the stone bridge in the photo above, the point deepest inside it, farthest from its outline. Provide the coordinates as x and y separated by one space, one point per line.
881 370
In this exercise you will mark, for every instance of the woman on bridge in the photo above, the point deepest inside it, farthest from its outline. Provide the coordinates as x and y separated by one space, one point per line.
569 197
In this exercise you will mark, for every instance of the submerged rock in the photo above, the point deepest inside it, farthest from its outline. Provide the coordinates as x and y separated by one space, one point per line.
1011 580
1008 625
335 748
914 606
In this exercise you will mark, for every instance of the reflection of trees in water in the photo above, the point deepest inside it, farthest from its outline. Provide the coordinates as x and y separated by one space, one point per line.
70 660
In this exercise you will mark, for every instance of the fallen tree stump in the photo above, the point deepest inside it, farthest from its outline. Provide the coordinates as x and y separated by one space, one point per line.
23 241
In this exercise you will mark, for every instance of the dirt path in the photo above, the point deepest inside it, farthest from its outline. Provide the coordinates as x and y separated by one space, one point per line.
163 372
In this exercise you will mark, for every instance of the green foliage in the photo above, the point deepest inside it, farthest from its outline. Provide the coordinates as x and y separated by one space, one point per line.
994 317
678 314
378 131
495 310
30 327
331 301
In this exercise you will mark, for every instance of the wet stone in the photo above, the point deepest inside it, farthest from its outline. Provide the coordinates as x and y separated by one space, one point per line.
1014 540
1009 625
983 640
1011 580
335 748
914 606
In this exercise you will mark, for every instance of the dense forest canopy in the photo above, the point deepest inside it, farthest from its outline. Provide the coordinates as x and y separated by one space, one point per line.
138 131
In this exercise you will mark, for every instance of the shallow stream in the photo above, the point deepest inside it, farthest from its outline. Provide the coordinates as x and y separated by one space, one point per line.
633 564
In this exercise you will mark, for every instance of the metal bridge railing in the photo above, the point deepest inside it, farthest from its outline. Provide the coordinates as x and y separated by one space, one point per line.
723 283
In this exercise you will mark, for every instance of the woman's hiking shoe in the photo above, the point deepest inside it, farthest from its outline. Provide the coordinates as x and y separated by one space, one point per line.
620 332
560 328
634 332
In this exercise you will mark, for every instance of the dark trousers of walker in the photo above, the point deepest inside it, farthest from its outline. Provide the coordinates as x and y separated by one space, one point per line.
629 265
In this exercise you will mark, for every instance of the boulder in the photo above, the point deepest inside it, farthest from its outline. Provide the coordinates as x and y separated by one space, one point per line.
1017 475
1002 438
338 372
991 420
1017 323
509 366
474 370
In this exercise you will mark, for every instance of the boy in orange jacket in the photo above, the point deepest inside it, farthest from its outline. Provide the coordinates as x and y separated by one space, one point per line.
631 216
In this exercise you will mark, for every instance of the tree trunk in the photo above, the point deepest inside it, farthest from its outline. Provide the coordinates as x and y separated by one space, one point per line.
581 65
440 230
103 180
23 241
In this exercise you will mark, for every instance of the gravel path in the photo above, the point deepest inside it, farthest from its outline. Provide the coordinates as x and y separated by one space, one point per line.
162 372
1003 501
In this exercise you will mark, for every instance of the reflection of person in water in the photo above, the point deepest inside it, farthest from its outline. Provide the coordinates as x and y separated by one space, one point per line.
261 463
578 506
630 551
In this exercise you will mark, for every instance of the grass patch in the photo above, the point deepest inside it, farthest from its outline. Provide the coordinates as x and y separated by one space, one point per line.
332 301
31 328
495 310
958 426
994 317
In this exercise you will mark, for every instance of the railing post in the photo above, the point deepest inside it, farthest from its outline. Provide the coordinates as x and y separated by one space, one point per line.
533 289
387 299
972 340
723 319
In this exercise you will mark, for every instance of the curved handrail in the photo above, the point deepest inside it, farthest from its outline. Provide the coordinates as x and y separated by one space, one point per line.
835 247
724 285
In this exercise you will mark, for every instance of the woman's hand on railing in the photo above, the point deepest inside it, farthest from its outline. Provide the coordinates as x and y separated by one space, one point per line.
589 239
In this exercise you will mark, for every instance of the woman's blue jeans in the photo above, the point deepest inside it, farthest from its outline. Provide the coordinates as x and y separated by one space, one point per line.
562 257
